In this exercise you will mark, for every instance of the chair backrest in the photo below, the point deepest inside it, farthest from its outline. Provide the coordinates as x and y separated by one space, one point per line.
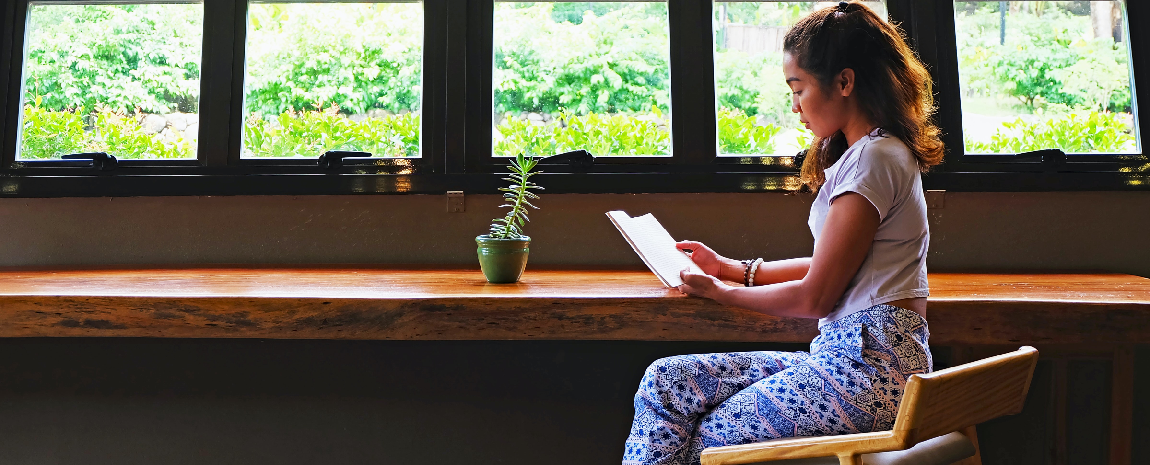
951 399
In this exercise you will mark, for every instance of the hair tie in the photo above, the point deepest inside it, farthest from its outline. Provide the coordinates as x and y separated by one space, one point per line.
842 6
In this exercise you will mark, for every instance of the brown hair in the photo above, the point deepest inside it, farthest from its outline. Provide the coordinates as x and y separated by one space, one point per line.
893 87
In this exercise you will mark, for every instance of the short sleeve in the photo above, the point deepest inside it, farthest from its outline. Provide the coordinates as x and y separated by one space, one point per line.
879 173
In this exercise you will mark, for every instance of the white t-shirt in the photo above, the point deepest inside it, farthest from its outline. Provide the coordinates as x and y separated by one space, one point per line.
881 168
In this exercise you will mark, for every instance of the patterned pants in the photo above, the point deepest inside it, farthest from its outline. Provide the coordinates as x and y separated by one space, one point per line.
850 382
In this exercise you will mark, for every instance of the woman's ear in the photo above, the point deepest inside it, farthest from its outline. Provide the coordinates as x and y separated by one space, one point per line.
846 82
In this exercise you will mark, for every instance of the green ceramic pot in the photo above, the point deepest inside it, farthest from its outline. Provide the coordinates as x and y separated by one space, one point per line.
502 260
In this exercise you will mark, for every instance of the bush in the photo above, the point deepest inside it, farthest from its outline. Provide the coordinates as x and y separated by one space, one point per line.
311 133
614 63
754 85
739 135
126 57
1100 77
1044 60
354 56
49 134
1094 132
602 135
1027 71
607 135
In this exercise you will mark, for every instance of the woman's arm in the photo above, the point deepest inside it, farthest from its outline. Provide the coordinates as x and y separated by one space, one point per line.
732 270
779 271
845 241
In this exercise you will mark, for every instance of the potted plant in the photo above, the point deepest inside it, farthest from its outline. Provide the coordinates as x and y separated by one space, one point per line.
503 251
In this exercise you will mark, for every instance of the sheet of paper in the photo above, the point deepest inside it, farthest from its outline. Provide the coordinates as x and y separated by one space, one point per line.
654 245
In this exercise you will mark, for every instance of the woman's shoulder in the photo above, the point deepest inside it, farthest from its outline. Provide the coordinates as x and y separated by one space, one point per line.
888 153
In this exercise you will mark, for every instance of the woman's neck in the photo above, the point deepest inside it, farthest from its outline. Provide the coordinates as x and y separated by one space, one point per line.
858 124
857 129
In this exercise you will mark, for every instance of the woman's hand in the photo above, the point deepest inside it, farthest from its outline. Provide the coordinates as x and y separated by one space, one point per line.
707 260
702 285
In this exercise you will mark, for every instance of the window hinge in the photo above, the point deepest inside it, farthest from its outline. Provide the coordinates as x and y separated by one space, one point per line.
574 159
100 160
335 158
1049 158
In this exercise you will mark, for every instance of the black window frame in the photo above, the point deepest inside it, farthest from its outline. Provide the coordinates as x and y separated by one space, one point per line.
1021 172
456 145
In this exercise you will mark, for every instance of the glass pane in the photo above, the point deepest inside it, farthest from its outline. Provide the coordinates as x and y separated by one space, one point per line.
754 102
122 79
333 76
585 75
1038 75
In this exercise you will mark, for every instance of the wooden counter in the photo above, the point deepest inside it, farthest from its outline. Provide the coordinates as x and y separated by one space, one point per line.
375 303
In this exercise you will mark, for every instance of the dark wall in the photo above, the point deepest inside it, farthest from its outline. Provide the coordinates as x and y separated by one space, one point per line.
973 231
132 401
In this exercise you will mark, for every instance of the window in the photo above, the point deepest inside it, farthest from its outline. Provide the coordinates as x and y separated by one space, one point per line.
572 76
754 102
333 76
228 97
1037 75
123 79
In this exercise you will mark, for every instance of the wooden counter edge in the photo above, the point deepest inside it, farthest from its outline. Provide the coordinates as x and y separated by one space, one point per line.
952 321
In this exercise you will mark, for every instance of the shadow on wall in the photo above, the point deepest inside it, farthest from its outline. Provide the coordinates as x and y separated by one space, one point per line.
973 231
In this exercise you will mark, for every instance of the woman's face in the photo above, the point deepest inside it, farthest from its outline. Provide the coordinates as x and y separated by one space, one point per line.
823 111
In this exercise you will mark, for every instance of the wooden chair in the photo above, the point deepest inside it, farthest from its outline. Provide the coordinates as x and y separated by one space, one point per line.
933 405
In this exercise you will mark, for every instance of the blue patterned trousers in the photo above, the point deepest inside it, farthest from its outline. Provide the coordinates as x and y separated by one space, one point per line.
850 382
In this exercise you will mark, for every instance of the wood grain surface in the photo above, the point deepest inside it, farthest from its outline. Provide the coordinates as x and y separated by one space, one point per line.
457 304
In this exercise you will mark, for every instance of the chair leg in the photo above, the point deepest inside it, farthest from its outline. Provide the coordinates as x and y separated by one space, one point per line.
853 459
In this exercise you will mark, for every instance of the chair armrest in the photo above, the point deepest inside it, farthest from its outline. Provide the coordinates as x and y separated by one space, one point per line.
799 448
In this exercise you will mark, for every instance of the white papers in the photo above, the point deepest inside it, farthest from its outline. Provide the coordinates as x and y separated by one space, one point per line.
655 246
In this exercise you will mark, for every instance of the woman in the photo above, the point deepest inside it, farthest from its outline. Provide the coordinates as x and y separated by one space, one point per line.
867 98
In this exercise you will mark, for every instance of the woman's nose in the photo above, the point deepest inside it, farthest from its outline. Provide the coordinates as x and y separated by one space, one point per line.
795 108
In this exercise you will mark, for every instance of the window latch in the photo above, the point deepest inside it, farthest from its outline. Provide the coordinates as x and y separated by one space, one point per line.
574 158
1049 158
100 160
333 159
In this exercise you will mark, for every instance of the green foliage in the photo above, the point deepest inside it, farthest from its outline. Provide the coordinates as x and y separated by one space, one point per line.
602 135
1045 59
1095 132
754 84
739 135
49 134
1026 70
355 56
311 133
518 197
617 62
121 135
126 57
1099 79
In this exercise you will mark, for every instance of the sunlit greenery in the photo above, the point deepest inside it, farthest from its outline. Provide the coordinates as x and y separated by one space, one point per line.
1073 133
1048 80
566 76
50 134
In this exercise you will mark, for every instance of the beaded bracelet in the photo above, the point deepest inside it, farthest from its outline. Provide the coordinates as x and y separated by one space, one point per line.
746 271
751 272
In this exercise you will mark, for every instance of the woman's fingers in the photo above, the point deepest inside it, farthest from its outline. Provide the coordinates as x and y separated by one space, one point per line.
694 284
684 288
692 245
